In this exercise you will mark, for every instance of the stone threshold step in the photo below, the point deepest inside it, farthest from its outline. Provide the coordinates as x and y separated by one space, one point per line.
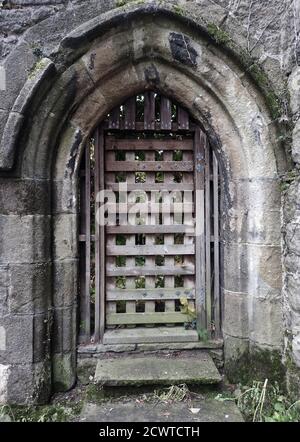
144 335
156 370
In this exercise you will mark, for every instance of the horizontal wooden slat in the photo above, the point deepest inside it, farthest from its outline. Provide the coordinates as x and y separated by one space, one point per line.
139 126
188 249
146 270
159 294
148 187
135 229
146 166
149 207
172 228
149 144
146 318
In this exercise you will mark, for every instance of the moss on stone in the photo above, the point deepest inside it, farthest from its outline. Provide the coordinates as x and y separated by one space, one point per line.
39 65
218 35
258 364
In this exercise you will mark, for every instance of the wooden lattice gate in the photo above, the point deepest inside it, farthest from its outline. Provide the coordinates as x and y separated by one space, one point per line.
149 229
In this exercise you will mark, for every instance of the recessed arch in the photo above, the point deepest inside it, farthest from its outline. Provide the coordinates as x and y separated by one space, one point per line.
108 66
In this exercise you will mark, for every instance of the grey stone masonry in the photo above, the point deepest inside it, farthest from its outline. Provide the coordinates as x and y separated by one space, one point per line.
64 64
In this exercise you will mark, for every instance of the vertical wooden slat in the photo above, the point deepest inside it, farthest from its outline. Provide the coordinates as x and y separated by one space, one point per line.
130 239
207 237
199 238
165 113
82 331
99 240
130 113
87 243
114 118
150 239
183 119
216 246
149 111
189 281
168 219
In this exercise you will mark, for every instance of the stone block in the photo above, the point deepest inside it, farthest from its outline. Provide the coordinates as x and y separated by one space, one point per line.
19 339
252 269
4 375
253 213
267 323
24 238
64 371
292 284
4 290
24 197
65 236
65 285
30 289
236 308
64 329
28 384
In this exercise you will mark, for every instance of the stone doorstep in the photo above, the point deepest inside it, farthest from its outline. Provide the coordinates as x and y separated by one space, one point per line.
157 370
203 410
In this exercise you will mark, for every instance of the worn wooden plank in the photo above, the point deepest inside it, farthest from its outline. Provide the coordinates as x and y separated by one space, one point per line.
130 240
113 143
112 250
155 187
168 219
99 241
130 112
114 118
149 110
144 166
189 260
183 118
207 237
216 248
165 113
155 229
87 213
139 126
150 207
144 318
148 294
150 270
199 239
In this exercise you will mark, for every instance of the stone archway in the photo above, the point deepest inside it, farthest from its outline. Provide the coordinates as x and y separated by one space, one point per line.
98 66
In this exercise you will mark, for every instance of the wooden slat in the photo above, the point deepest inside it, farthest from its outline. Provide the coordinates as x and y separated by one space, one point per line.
183 118
82 264
216 247
149 110
146 318
151 271
207 236
150 207
87 243
189 260
130 111
199 239
139 126
153 187
114 118
145 166
113 143
99 241
165 113
168 219
150 250
130 240
150 294
173 228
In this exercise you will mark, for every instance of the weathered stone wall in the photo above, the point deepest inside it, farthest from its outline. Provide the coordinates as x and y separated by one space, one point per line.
38 277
